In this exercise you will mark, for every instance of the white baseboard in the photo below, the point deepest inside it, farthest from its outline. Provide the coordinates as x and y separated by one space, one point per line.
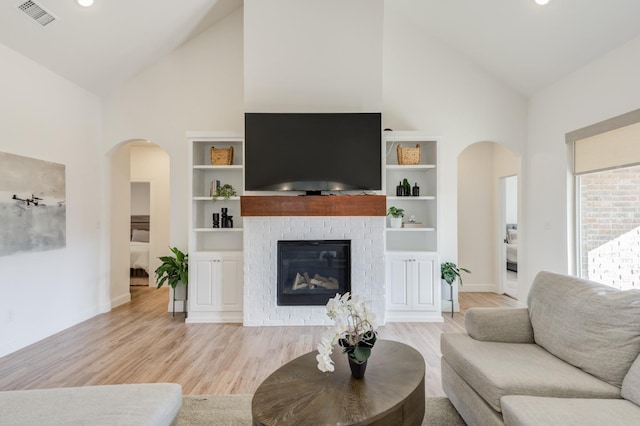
213 317
478 288
413 316
121 300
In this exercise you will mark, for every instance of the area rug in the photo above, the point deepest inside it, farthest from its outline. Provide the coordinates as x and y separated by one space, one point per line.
235 410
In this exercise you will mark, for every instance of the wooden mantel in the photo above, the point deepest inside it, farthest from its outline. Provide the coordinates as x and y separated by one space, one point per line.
314 205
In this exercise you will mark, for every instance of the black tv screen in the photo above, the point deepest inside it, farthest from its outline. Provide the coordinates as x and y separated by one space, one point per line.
313 152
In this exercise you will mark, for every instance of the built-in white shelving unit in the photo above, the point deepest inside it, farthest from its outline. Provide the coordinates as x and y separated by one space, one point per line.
421 236
215 254
412 262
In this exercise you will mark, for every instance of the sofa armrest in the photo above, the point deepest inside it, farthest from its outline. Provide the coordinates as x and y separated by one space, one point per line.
505 325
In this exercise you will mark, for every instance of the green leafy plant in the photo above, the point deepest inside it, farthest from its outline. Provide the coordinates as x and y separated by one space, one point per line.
225 191
174 269
395 212
450 272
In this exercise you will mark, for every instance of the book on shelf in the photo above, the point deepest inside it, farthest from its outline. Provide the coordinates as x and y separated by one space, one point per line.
412 225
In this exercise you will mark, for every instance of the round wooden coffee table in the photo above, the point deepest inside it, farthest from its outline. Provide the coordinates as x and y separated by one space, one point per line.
391 392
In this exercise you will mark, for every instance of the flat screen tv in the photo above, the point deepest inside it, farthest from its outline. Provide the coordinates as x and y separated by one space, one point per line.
313 152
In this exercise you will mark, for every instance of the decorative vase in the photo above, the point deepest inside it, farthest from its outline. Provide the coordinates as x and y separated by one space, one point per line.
180 292
395 222
357 370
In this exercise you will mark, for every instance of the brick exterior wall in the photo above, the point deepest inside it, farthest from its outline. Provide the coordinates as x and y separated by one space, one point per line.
610 227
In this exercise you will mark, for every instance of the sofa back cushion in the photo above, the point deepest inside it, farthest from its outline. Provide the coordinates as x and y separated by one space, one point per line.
591 326
631 383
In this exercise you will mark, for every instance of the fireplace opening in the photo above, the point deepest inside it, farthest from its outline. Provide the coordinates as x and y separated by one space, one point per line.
310 272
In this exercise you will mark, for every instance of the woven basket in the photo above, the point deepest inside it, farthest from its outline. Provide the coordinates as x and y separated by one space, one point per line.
408 156
221 156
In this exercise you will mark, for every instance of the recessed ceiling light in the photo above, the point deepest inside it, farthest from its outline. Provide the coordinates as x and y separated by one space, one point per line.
542 2
85 3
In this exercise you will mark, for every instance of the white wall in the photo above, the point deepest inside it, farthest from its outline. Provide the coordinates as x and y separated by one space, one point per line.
476 216
305 56
605 88
511 199
140 195
117 243
425 86
46 117
199 86
151 164
429 87
480 167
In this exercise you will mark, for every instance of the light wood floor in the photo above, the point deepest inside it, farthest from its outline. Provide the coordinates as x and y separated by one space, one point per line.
140 342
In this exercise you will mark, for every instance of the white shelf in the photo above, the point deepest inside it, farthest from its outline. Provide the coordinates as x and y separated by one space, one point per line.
424 208
212 167
411 167
217 199
434 253
421 198
217 230
203 237
425 229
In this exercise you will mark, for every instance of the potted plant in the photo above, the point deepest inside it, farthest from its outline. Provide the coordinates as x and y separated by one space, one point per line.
354 330
225 191
396 216
450 272
172 271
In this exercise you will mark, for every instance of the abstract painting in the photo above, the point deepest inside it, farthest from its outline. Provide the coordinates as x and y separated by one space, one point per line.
32 205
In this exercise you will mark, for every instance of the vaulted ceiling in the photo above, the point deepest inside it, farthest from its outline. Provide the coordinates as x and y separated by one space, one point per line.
523 44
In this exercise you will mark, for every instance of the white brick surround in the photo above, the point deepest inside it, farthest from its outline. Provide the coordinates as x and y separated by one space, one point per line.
261 235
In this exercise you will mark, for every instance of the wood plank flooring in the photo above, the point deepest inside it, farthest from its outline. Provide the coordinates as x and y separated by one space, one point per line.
141 342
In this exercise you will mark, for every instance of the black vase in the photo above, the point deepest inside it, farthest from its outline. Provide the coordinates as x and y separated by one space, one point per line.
357 370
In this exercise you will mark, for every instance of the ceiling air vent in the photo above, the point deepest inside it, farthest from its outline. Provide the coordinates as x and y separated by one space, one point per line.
37 13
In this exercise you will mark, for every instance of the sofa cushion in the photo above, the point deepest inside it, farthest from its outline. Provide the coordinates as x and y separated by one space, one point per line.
534 411
135 404
508 325
591 326
494 370
631 383
471 407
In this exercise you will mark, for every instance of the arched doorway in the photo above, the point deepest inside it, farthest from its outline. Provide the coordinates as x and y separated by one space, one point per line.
482 217
136 161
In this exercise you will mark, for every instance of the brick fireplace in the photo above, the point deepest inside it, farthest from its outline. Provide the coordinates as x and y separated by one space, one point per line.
261 236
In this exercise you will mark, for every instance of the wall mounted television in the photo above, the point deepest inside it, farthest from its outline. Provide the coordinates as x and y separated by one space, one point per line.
313 152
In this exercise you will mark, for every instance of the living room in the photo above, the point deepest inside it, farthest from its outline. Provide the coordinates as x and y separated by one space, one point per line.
409 74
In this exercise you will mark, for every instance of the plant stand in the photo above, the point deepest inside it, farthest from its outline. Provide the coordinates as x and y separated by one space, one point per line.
451 295
184 301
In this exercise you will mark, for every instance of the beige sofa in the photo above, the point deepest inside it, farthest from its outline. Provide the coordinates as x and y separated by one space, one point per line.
570 358
148 404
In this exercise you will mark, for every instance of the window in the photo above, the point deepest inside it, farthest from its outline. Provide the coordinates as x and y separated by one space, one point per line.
607 169
609 227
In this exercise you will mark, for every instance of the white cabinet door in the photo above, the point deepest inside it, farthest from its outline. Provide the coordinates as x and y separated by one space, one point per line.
413 291
205 272
426 296
398 283
229 284
215 287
